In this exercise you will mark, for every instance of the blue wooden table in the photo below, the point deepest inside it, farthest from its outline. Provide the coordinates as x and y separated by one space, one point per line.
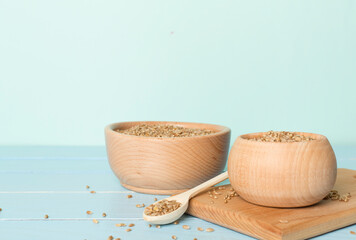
35 181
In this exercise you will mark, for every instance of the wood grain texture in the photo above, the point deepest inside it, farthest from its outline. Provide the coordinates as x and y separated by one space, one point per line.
282 174
166 165
281 223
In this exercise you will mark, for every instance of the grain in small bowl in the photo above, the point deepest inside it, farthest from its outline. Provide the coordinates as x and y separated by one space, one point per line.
147 161
282 169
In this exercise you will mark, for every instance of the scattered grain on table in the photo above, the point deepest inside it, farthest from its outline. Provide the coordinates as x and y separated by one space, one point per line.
352 232
200 229
174 237
209 230
129 196
176 222
227 193
162 207
89 212
120 225
131 225
186 227
149 225
46 216
140 205
128 230
92 192
87 186
95 221
158 226
110 237
104 214
216 193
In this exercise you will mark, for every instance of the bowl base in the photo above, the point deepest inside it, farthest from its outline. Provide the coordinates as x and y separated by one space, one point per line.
296 205
153 191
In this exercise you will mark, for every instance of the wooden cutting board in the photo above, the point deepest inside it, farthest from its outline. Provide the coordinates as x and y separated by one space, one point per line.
278 223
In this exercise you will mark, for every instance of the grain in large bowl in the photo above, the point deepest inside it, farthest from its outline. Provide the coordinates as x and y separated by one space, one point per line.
166 165
282 174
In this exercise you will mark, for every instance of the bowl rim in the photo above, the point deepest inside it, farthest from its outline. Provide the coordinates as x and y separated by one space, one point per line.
223 130
318 137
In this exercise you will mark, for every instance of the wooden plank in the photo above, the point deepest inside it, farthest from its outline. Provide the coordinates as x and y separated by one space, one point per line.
74 230
49 152
280 223
37 175
27 182
71 229
72 205
99 152
85 229
60 165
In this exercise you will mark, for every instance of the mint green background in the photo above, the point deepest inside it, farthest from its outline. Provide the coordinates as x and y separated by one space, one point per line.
68 68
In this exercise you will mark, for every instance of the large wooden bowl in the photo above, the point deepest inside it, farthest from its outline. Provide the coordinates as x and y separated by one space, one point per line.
166 165
275 174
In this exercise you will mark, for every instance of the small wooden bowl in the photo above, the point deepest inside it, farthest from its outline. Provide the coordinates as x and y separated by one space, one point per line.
275 174
166 165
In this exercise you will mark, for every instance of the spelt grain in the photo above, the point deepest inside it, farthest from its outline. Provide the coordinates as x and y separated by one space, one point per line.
283 136
162 207
146 130
186 227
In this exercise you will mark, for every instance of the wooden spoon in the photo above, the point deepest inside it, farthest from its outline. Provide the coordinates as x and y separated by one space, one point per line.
183 198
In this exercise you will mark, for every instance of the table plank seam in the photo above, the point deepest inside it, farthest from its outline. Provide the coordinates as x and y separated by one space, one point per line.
63 192
69 219
55 158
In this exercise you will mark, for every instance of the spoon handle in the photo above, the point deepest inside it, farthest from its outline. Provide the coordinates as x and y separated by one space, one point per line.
205 185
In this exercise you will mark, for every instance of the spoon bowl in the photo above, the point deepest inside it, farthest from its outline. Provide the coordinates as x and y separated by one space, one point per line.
167 218
183 199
